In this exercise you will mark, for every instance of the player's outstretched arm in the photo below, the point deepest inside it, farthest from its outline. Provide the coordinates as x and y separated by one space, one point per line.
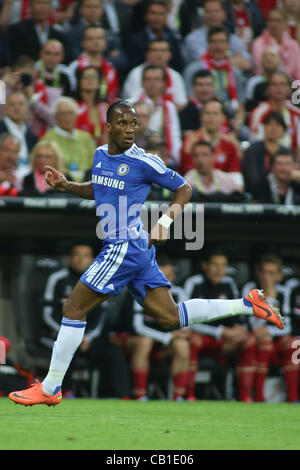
57 180
160 231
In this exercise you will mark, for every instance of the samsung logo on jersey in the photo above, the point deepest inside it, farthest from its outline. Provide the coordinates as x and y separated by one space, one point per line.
106 181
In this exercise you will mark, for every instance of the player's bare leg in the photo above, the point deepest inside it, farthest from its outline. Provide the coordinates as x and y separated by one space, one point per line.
69 338
160 304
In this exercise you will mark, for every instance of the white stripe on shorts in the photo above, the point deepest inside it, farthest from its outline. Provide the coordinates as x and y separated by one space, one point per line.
116 262
93 270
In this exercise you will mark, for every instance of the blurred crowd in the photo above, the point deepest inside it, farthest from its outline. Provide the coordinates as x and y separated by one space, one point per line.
214 84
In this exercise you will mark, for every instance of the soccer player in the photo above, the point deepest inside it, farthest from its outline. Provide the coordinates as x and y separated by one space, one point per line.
122 173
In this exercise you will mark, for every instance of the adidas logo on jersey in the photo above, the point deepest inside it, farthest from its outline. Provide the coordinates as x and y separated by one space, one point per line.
98 165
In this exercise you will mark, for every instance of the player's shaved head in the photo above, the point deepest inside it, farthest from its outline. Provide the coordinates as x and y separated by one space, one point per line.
118 106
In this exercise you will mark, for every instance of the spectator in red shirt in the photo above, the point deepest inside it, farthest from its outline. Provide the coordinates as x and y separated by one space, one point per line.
10 183
225 146
93 45
91 116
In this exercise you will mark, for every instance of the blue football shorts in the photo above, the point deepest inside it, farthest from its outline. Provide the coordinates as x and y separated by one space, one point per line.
125 263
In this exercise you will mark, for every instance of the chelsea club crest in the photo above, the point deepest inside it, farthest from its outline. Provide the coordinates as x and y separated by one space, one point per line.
123 169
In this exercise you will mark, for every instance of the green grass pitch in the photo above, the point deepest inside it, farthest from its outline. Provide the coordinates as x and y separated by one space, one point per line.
161 425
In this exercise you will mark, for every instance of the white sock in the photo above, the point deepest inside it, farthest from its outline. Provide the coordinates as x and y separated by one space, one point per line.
68 339
207 310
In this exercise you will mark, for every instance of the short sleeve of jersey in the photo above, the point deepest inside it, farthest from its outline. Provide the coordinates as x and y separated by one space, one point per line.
157 172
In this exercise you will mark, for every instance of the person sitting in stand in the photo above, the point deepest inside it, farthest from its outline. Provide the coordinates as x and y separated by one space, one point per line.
278 91
282 185
209 184
76 146
272 345
226 148
164 120
27 36
158 53
44 153
228 80
196 42
203 91
276 35
91 115
15 122
10 182
225 338
257 85
50 68
156 18
92 13
256 160
93 45
144 133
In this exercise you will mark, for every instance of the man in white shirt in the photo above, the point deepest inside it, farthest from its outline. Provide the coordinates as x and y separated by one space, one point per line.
164 120
159 53
14 122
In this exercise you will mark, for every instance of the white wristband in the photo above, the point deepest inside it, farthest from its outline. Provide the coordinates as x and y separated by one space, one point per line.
165 221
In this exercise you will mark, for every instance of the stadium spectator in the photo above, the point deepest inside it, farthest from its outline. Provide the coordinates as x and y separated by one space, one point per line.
190 16
265 6
272 345
49 79
92 13
158 53
276 35
244 19
256 161
291 12
51 70
10 182
92 111
95 346
44 153
152 339
279 186
256 88
228 80
278 91
28 36
14 11
226 147
164 119
15 122
40 97
144 135
209 184
225 338
196 42
156 17
203 91
77 146
157 193
93 45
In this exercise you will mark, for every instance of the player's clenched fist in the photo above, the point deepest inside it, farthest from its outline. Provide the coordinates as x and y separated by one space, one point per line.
55 179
